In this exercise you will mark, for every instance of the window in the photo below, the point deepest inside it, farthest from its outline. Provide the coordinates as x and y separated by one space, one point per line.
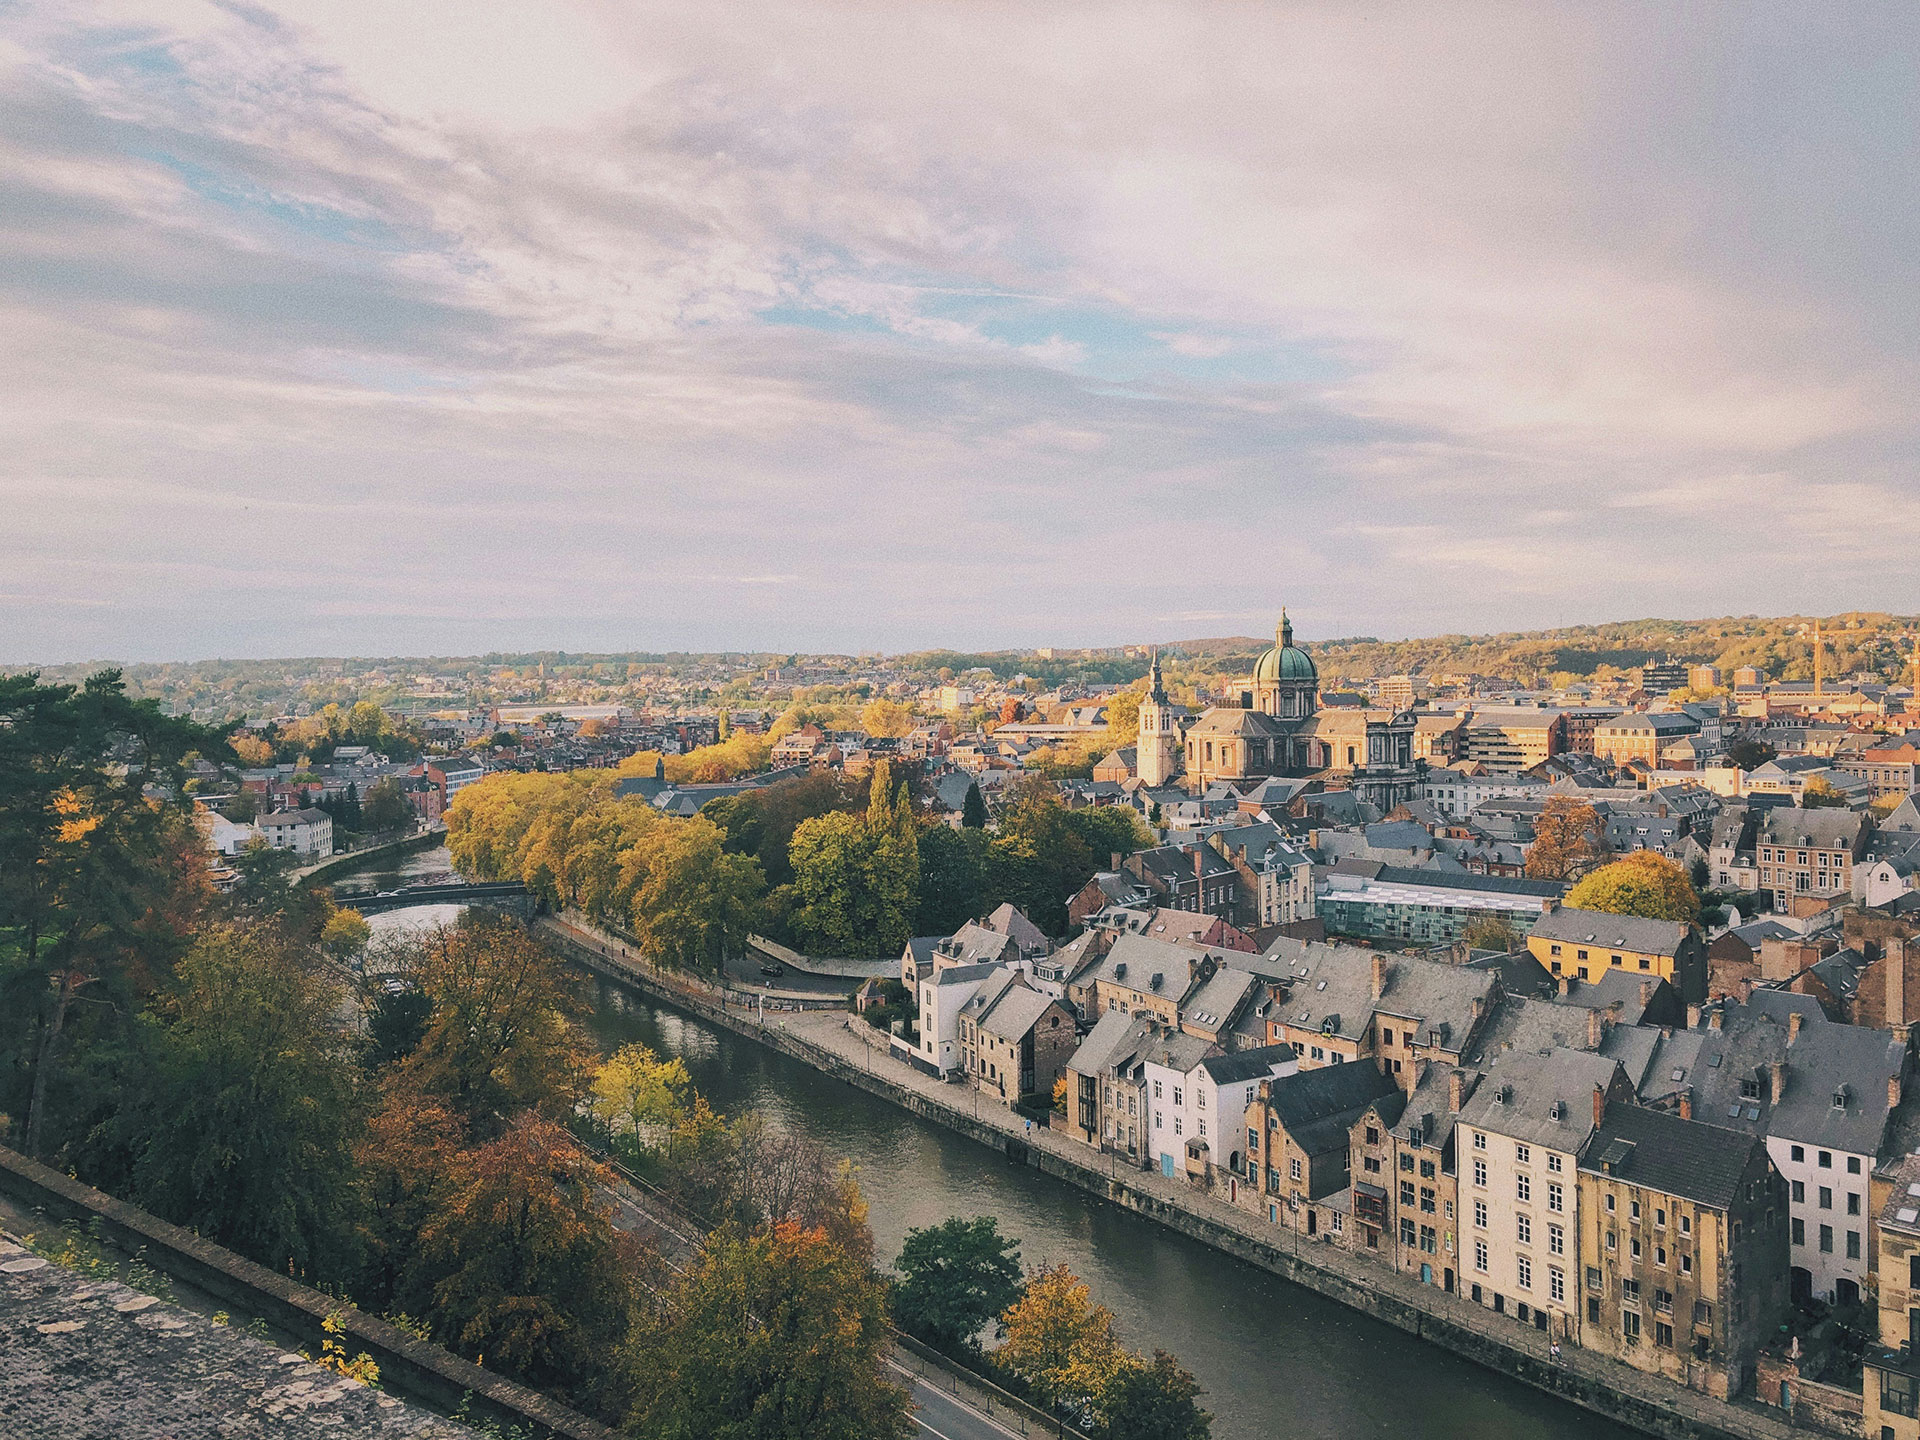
1660 1255
1663 1334
1826 1239
1176 1124
1427 1172
1853 1244
1799 1231
1826 1160
1428 1201
1406 1193
1557 1286
1630 1325
1480 1172
1523 1187
1853 1203
1523 1271
1663 1301
1686 1263
1899 1394
1610 1204
1702 1313
1479 1140
1593 1277
1523 1229
1480 1221
1293 1168
1406 1232
1373 1135
1158 1120
1660 1218
1176 1095
1555 1198
1556 1240
1686 1224
1853 1164
1386 1037
1553 1162
1429 1240
1635 1243
1156 1090
1826 1197
1522 1154
1633 1209
1406 1162
1480 1256
1800 1154
1799 1192
1630 1291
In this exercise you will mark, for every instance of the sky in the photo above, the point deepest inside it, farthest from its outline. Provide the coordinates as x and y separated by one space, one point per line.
353 327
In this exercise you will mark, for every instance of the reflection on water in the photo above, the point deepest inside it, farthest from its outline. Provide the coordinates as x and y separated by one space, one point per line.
1275 1359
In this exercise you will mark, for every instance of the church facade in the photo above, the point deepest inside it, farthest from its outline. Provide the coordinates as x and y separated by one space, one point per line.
1278 729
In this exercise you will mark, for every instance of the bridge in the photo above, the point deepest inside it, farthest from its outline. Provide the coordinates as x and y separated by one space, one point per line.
499 895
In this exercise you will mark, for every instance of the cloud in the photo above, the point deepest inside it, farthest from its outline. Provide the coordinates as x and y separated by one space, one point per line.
579 324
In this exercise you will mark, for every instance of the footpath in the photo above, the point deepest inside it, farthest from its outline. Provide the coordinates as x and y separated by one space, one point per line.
840 1045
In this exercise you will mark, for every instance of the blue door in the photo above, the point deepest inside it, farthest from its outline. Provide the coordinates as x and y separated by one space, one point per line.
1426 1274
1166 1166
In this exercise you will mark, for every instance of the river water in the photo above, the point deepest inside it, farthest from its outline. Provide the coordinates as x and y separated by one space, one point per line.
1275 1360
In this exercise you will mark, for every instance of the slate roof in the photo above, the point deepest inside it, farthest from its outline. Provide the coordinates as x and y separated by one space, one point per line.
975 944
1607 931
1112 1041
1017 1010
1243 1065
1135 959
1659 1151
1828 828
1009 920
1318 1107
1334 983
1541 1099
1216 1003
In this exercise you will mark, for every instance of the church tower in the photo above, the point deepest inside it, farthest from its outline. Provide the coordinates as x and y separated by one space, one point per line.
1157 750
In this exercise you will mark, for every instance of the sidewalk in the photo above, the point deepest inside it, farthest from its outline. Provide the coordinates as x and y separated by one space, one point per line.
856 1045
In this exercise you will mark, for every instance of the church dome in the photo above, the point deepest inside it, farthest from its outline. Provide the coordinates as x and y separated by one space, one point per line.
1285 661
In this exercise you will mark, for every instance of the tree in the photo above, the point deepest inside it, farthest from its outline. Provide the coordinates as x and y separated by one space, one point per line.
1820 793
1123 716
1568 837
857 883
775 1335
1059 1343
1750 754
692 904
1152 1400
956 1277
501 1038
638 1095
345 935
243 1128
526 1268
385 807
1643 883
1011 710
1490 932
973 810
886 719
89 864
953 879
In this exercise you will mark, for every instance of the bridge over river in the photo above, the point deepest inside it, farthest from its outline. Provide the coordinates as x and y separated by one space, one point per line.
511 896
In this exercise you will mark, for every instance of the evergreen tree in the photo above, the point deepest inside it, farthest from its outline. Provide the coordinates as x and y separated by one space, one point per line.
973 810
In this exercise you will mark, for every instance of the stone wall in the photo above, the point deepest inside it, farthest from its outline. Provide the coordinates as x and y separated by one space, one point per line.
410 1367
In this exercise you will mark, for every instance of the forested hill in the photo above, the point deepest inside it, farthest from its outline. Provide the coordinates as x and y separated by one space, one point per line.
1856 640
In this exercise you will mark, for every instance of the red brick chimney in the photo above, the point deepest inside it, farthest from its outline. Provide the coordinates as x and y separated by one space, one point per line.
1596 1029
1686 1103
1779 1073
1379 974
1456 1091
1599 1106
1794 1021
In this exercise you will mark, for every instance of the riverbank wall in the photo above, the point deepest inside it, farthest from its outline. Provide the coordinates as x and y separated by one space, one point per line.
317 874
1605 1387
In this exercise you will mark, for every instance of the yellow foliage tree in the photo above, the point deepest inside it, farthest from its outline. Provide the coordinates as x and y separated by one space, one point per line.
1060 1342
1643 883
885 718
638 1094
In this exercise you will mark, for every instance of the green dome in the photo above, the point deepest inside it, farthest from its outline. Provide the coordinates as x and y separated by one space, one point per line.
1285 661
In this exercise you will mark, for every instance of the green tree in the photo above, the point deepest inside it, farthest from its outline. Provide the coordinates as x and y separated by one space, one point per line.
775 1335
692 904
953 879
1750 754
956 1277
385 807
857 880
243 1131
88 866
1152 1400
973 810
1643 883
1490 932
638 1095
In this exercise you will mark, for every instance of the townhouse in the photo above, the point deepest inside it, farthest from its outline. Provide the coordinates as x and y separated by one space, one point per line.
1891 1392
1014 1041
1299 1129
1335 1004
1106 1091
1405 1181
1683 1247
1808 855
1522 1132
1588 944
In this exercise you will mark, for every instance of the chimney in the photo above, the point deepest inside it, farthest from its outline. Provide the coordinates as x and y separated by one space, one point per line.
1686 1103
1646 993
1596 1029
1794 1021
1456 1091
1412 1075
1599 1106
1893 1091
1114 858
1779 1068
1693 1017
1199 879
1475 1008
1379 974
1896 963
1717 1018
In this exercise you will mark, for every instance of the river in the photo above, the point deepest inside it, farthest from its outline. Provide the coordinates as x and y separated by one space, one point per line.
1275 1360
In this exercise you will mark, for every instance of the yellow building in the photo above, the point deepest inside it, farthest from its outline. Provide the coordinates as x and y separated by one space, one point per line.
1892 1378
1587 944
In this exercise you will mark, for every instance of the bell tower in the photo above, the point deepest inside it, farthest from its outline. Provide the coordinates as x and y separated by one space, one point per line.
1157 750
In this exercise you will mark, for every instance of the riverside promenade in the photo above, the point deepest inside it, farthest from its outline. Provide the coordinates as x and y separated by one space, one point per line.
844 1047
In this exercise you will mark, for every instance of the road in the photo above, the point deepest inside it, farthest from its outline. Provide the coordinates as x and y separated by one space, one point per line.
938 1414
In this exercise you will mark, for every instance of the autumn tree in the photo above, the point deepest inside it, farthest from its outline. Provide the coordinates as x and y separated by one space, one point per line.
774 1335
1819 793
637 1095
1643 883
1059 1343
521 1263
1123 716
885 719
242 1128
501 1037
385 806
956 1277
1568 837
691 904
1491 932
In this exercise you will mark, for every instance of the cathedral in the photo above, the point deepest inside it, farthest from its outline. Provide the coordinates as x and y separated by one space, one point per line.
1277 728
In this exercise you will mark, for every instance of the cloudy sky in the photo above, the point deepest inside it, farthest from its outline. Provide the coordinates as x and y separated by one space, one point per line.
358 327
